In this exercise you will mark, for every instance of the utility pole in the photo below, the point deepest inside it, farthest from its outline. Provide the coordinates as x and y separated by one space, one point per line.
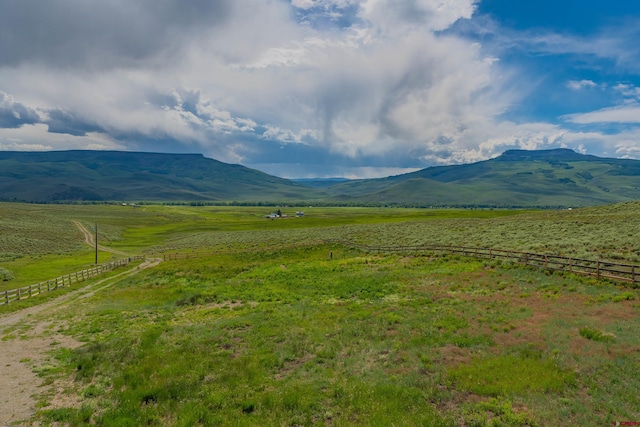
96 239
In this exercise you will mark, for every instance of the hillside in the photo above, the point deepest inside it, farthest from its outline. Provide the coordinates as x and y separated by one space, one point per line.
558 177
124 176
553 178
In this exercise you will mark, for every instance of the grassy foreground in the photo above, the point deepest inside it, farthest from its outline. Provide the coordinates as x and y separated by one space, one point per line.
271 331
292 338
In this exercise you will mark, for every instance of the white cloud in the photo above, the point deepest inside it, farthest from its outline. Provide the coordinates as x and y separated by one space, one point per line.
628 90
37 138
581 84
393 16
304 4
628 113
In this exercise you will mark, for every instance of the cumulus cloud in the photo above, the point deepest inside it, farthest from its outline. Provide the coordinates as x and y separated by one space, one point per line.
366 86
391 16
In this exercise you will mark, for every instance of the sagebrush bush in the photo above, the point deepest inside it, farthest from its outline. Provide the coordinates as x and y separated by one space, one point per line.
6 275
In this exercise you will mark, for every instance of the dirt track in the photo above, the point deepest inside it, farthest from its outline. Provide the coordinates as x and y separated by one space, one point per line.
90 240
28 335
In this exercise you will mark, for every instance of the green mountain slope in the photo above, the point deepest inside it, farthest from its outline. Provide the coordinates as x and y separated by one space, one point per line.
114 175
516 178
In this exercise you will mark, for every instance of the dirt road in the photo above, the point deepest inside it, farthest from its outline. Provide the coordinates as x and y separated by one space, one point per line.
89 239
27 336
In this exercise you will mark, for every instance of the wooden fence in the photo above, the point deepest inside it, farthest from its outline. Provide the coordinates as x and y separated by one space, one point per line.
62 281
599 269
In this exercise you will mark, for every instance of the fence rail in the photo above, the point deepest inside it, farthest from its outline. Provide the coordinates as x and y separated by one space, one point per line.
600 269
25 292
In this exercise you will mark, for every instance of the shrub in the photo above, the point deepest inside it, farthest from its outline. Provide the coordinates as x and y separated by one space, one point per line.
6 275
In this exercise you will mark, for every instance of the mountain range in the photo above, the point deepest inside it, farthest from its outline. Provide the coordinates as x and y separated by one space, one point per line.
517 178
553 178
128 176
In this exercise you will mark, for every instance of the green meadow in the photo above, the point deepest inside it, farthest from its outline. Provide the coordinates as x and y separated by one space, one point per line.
280 322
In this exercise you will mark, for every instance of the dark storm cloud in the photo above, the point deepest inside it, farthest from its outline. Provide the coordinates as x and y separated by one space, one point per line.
99 33
418 76
14 114
61 121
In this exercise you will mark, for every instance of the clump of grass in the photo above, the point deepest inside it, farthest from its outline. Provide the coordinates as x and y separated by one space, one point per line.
69 416
594 334
496 412
625 296
511 374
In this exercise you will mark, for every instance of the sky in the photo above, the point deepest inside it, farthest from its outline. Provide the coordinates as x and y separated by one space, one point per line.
322 88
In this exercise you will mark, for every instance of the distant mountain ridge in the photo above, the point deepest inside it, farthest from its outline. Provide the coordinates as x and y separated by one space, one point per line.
554 178
121 175
517 178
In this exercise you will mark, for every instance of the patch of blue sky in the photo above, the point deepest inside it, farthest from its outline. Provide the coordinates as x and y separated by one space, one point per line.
328 16
571 55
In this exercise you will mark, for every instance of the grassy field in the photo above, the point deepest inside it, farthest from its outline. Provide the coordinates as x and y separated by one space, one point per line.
272 331
39 242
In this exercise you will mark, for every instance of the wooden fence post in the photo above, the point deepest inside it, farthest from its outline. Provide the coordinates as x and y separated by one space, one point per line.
598 269
633 274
